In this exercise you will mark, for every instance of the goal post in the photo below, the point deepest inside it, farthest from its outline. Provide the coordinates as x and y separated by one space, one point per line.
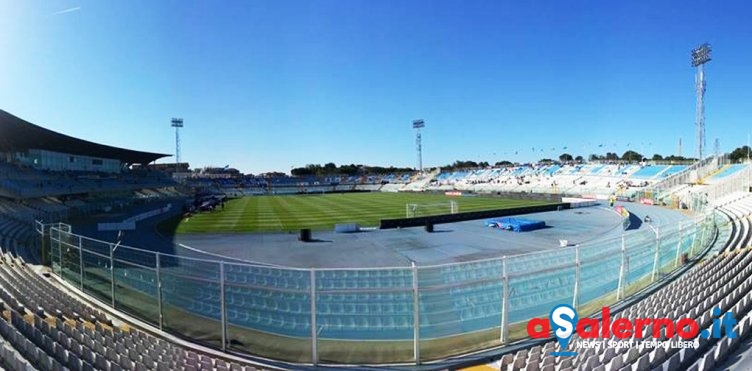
414 210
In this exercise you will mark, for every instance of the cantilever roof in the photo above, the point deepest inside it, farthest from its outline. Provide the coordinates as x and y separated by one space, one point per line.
18 135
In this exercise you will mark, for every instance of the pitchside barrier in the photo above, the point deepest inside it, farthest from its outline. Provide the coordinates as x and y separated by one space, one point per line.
470 215
548 197
576 202
408 314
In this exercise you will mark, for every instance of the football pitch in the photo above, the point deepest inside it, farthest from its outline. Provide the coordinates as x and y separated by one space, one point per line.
323 211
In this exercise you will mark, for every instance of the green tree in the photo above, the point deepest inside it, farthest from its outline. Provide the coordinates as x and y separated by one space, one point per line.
329 168
673 158
740 154
457 165
631 156
565 157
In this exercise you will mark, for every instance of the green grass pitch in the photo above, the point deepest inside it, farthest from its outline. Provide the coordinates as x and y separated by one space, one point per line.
322 212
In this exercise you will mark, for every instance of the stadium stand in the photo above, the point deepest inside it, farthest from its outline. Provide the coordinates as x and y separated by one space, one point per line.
240 185
720 281
47 324
51 330
339 315
43 324
661 183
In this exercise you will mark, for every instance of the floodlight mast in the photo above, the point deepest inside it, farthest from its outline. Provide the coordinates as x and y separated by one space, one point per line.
177 123
417 125
700 56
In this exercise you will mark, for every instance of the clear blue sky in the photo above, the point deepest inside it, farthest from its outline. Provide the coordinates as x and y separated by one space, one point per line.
266 85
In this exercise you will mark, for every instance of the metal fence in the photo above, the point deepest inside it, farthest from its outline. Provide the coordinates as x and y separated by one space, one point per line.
377 315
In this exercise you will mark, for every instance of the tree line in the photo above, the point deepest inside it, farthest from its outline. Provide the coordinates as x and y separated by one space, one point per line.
331 168
740 154
737 155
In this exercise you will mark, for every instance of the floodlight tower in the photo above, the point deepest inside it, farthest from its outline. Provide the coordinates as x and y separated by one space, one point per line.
717 147
417 125
177 123
700 56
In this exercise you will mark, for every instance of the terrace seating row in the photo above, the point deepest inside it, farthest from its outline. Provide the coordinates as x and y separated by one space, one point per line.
18 238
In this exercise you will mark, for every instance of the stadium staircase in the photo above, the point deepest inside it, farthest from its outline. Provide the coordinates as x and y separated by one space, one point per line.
421 181
712 174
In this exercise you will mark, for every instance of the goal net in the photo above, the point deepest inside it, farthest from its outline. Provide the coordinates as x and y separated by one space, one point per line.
427 209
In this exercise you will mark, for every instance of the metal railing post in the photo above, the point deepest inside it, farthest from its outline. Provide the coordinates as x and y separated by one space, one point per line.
222 306
43 245
702 236
657 253
314 325
678 247
577 263
112 274
416 315
504 335
81 261
694 240
158 273
60 251
622 269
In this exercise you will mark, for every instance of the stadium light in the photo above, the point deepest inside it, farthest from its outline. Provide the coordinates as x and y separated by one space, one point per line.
177 123
417 125
700 56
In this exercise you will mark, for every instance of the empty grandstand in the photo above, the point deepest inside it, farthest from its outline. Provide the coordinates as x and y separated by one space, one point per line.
71 300
44 177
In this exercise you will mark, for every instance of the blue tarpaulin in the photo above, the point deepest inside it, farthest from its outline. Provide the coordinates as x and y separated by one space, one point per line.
515 224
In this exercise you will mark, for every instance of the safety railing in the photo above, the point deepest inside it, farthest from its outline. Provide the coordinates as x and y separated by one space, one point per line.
377 315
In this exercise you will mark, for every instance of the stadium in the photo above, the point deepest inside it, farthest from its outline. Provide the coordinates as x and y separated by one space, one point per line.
524 242
112 264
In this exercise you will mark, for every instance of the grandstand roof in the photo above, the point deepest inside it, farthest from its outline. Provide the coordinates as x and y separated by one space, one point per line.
18 135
